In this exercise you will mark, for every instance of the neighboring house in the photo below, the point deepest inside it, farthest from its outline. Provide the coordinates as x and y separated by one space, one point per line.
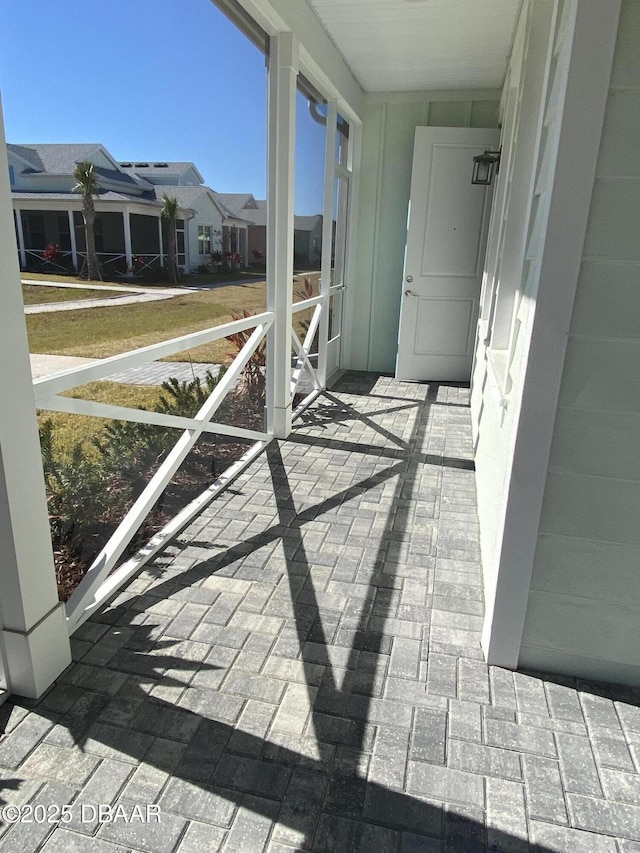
307 234
129 229
253 210
213 228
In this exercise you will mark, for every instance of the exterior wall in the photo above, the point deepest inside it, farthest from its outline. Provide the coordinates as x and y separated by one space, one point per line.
583 613
206 214
389 124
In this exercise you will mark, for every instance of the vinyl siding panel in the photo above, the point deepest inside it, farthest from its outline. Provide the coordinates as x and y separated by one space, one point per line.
583 614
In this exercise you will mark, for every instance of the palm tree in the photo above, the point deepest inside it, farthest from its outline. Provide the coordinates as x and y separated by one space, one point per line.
170 214
87 186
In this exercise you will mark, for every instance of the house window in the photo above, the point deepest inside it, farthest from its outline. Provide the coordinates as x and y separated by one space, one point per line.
12 175
181 243
204 239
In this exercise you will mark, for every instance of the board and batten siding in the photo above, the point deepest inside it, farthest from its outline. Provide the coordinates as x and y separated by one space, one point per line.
583 612
388 129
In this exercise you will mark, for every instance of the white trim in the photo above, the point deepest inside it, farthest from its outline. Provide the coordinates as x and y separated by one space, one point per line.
429 95
327 236
35 651
580 128
72 238
283 72
126 224
20 231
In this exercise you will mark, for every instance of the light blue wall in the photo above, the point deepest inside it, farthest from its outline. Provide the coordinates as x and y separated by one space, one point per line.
583 614
387 149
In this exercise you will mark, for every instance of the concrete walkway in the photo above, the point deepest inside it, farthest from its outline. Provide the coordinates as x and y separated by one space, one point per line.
125 288
137 294
150 374
302 670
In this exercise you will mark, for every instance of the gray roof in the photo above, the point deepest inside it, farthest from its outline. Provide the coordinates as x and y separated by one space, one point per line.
55 158
113 175
235 202
149 168
188 196
258 216
102 196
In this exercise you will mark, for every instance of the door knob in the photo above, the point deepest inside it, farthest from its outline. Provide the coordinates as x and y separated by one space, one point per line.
410 293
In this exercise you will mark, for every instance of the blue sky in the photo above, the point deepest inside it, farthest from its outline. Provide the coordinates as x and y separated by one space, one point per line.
151 80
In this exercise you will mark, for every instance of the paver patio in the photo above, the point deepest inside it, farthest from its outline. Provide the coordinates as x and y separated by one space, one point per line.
302 670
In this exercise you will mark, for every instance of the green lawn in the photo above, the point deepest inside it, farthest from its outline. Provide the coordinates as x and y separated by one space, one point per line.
102 332
34 294
81 429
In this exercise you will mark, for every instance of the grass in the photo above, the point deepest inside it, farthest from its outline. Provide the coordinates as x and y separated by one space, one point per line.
81 429
33 294
102 332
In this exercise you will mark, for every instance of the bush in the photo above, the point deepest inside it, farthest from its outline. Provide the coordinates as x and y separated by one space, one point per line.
87 495
72 485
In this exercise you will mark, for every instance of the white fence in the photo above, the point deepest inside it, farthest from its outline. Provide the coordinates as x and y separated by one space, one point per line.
105 575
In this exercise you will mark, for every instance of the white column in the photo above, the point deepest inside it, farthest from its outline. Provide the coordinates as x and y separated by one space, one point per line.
127 237
283 61
160 244
32 620
72 235
327 237
20 230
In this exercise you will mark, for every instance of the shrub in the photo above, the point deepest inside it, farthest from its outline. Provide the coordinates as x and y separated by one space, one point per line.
73 485
253 374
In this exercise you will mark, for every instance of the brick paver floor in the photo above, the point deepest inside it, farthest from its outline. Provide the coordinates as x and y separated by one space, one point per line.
302 670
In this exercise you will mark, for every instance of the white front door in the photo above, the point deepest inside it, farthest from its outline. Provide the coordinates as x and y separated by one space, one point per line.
446 240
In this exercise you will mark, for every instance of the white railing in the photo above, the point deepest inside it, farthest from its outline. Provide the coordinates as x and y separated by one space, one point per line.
303 350
38 255
100 580
105 575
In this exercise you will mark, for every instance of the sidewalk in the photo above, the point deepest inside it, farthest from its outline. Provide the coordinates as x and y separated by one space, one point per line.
150 374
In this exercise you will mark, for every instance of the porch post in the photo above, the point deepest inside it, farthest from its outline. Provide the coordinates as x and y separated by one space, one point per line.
33 630
20 232
160 244
283 61
72 237
327 238
127 237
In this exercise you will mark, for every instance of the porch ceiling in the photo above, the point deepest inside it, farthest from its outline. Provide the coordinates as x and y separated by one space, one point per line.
408 45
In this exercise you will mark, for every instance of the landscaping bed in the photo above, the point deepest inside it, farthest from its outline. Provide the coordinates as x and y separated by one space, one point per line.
91 484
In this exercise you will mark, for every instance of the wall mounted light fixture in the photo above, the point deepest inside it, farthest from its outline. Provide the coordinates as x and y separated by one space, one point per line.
484 166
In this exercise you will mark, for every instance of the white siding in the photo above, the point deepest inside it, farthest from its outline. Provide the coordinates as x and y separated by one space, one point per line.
583 615
206 214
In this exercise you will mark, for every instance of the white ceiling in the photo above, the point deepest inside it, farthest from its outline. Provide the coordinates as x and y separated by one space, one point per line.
410 45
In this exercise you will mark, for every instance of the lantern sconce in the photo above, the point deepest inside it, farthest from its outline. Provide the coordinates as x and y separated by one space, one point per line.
484 166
